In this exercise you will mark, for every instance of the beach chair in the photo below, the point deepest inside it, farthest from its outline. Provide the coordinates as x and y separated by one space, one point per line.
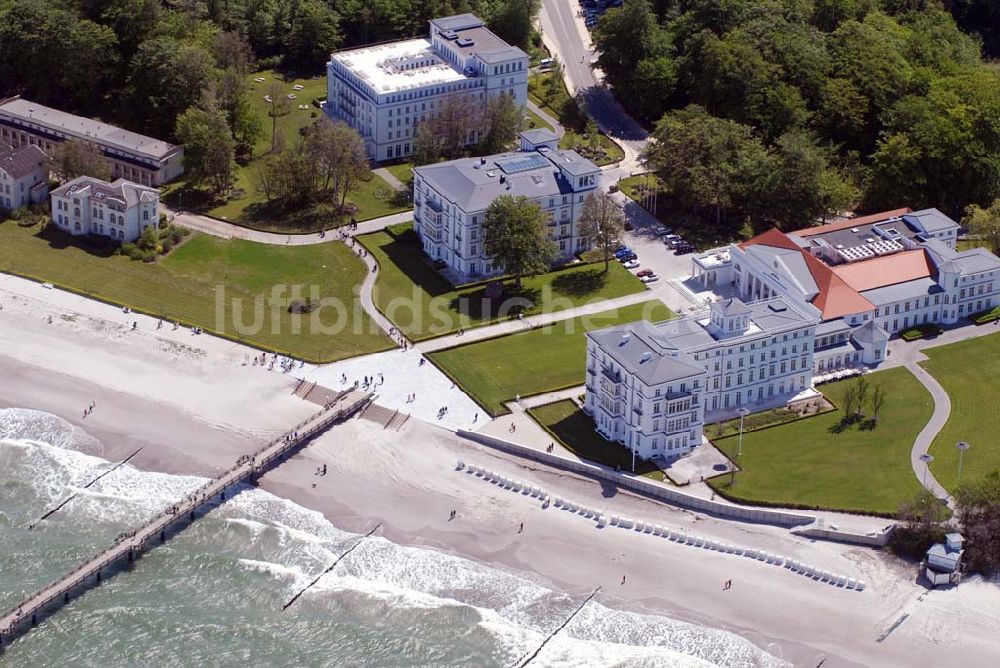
861 585
852 583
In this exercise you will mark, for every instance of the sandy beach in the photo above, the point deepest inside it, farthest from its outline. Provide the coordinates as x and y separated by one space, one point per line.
193 405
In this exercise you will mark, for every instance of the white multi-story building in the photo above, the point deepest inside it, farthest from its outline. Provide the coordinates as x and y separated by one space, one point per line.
133 156
450 201
652 387
119 210
868 278
23 176
385 91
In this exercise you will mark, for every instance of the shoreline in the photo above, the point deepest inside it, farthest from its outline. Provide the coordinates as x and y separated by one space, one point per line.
195 409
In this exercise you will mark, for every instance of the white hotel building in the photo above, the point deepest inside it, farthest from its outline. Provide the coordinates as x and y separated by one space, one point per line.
385 91
806 303
119 210
450 201
136 157
652 387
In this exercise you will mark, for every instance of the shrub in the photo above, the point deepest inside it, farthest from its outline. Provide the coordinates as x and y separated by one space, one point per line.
148 255
920 525
134 253
166 246
986 316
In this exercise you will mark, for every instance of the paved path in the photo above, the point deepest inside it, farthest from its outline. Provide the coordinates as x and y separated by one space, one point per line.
557 127
942 409
514 326
391 179
226 230
566 36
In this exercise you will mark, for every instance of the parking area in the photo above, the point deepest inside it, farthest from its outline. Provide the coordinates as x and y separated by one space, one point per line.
646 241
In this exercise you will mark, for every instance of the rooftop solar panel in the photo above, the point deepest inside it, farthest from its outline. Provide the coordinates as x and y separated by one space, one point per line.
522 163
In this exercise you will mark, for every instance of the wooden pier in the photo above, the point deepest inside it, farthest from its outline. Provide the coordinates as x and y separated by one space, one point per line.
132 544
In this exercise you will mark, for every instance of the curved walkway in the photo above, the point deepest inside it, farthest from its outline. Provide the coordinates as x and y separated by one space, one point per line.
942 409
557 127
226 230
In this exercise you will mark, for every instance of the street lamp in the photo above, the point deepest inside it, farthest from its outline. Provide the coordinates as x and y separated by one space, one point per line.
962 447
926 458
742 412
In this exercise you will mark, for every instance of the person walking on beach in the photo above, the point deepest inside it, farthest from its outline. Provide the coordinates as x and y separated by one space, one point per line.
623 580
521 528
452 516
727 585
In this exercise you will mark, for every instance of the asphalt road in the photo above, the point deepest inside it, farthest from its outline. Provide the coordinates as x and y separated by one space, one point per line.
567 37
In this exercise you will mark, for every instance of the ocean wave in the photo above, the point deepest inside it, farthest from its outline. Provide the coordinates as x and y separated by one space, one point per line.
412 585
25 424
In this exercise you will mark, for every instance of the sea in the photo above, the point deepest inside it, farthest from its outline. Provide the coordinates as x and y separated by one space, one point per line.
213 595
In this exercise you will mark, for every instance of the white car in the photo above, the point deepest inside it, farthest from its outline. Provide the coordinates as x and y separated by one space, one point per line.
631 264
650 278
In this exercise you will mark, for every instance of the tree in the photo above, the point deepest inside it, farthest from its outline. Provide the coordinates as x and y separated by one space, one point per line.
978 505
919 525
447 130
75 157
984 223
804 188
209 149
309 32
514 235
849 401
167 77
878 399
280 105
514 21
504 119
602 221
232 52
710 162
862 389
337 153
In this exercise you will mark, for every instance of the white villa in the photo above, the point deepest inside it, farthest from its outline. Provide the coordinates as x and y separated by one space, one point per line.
24 177
450 200
119 210
133 156
385 91
652 387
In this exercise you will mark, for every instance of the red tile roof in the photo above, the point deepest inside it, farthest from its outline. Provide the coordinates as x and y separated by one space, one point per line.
835 298
852 222
888 270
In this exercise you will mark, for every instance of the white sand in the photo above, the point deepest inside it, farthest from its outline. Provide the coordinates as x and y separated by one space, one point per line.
194 406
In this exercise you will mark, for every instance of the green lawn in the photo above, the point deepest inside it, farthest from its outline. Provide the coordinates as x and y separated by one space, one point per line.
540 360
183 286
423 304
806 463
402 171
574 429
535 121
246 206
970 372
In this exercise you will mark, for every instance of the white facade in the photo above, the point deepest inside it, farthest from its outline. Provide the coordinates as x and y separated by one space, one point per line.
450 201
138 158
867 278
119 210
384 92
653 387
23 176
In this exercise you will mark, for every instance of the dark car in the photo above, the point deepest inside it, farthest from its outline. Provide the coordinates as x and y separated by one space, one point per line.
683 248
627 257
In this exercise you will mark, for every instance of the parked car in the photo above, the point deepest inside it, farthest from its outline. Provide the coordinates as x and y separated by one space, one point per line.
666 232
628 226
650 278
684 248
672 239
644 272
627 258
624 250
631 264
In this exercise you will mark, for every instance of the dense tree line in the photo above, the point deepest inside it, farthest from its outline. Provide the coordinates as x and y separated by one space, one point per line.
888 95
142 63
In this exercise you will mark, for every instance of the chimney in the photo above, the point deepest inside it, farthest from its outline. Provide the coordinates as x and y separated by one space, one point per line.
625 339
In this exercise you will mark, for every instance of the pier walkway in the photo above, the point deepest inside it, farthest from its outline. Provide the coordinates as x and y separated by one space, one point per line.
132 544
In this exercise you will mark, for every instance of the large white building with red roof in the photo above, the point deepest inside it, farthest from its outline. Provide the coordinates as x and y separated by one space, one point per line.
865 278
